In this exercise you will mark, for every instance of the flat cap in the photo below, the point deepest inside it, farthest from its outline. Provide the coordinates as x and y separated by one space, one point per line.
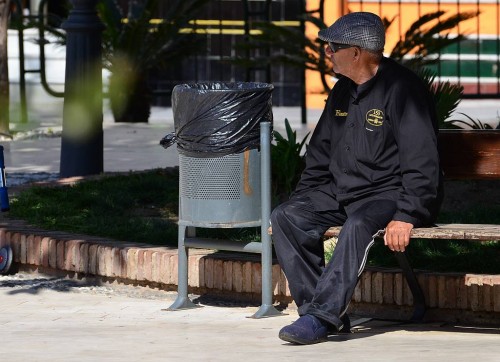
362 29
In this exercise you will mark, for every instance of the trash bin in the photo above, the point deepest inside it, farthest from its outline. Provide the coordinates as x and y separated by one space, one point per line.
217 131
222 132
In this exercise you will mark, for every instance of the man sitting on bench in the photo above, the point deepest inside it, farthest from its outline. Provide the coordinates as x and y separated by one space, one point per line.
372 165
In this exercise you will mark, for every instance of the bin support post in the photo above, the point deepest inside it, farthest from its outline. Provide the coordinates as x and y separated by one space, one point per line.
266 309
182 301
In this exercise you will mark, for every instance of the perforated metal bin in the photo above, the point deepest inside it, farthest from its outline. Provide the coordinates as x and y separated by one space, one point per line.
221 192
223 134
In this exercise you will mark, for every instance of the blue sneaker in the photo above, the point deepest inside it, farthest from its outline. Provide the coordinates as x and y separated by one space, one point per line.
306 330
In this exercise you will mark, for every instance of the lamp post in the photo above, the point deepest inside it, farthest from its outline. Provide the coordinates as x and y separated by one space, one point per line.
82 134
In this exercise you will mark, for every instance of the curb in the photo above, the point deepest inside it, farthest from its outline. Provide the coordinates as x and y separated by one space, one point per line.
451 297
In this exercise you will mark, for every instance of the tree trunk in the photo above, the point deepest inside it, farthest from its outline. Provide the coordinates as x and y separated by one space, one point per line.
4 68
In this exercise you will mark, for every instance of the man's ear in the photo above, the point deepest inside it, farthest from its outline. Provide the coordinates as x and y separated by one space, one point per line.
357 53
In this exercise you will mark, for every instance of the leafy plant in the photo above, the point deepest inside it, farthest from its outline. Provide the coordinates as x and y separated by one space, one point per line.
470 123
421 45
133 46
287 162
427 37
446 96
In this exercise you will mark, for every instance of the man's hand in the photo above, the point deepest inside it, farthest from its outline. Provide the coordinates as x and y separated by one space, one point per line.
397 235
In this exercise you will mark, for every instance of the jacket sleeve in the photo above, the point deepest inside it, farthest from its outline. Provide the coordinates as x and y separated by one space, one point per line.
415 131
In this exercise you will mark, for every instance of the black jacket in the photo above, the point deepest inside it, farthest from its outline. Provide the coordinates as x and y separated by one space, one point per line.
378 139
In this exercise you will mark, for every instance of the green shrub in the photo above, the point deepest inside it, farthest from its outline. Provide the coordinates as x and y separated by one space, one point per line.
288 162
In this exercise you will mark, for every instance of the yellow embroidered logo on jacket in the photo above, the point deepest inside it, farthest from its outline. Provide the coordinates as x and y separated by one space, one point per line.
339 113
375 117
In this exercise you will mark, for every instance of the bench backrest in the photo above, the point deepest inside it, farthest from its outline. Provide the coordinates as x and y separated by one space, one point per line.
470 154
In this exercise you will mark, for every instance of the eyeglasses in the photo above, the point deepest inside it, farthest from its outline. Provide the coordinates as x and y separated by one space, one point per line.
335 47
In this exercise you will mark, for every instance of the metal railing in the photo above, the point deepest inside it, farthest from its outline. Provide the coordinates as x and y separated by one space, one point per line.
20 23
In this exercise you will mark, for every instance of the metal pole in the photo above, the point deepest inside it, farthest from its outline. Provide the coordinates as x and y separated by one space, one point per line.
22 69
303 88
41 46
266 309
182 301
82 135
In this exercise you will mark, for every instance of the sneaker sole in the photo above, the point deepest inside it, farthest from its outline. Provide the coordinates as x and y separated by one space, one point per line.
295 340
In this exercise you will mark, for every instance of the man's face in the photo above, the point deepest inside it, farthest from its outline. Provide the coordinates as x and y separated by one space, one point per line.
341 57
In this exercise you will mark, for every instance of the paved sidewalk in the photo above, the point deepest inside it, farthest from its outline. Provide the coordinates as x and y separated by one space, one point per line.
65 320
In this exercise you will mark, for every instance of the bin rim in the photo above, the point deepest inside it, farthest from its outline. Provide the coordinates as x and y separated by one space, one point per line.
226 87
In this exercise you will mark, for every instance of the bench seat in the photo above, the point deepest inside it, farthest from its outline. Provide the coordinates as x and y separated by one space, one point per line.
481 232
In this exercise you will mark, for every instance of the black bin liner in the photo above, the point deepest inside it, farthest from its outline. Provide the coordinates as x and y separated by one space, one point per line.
217 118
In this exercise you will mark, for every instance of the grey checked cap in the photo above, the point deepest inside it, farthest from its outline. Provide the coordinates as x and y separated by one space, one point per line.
362 29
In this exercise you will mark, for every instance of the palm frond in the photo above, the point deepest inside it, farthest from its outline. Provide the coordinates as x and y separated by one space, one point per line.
429 35
471 123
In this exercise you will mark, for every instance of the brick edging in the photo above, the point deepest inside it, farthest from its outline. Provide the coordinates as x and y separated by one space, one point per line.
237 275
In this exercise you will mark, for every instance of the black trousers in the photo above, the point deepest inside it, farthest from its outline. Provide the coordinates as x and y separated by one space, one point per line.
325 291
